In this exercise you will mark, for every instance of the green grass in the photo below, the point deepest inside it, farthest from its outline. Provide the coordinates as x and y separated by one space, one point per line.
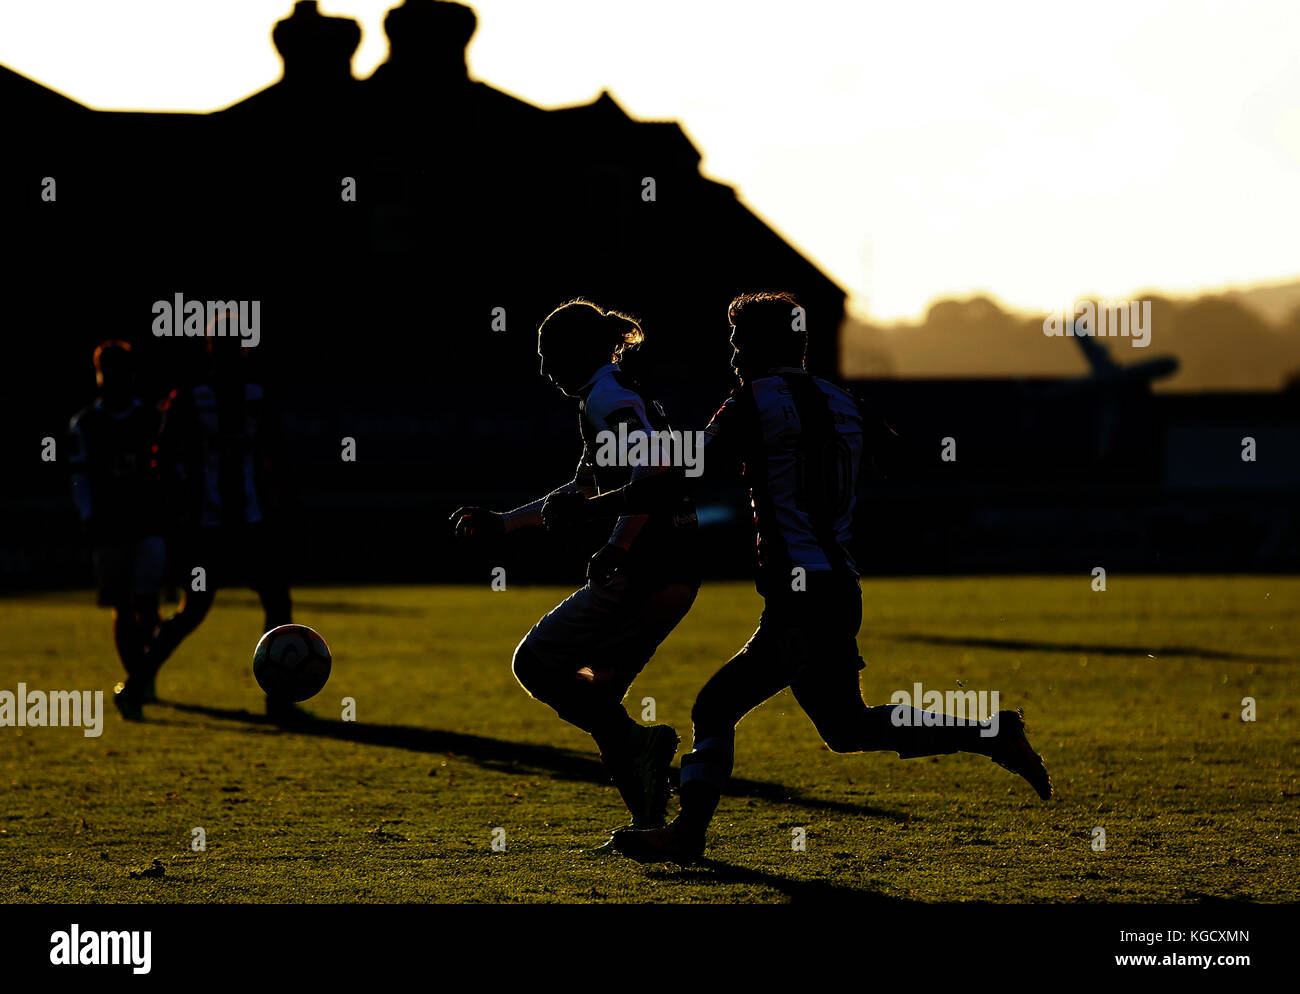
1133 697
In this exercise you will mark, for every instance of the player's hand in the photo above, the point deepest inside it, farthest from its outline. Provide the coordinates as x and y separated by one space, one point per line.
477 523
564 510
607 565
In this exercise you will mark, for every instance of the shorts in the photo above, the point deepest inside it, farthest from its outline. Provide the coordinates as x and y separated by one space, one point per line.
814 631
610 629
806 641
128 571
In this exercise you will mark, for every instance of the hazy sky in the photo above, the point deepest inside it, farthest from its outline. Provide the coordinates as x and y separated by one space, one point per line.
1037 151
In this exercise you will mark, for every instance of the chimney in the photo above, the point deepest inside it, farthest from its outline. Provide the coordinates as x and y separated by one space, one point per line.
427 39
316 49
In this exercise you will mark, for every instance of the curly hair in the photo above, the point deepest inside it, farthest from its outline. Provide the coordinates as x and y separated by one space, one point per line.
603 326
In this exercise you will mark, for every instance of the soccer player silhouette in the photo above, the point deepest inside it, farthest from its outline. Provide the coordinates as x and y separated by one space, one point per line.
797 441
215 460
116 491
582 657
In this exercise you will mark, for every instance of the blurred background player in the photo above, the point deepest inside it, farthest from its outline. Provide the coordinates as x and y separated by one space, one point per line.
215 458
797 441
582 657
116 491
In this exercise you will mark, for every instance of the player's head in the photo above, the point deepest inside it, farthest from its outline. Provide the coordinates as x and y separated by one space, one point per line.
767 330
579 337
114 368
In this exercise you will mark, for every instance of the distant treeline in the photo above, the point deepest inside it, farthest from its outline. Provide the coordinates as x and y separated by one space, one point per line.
1222 342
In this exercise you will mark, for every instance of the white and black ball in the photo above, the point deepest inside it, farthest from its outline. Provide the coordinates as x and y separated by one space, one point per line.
291 662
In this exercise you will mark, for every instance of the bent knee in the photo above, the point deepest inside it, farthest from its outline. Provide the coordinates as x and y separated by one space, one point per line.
840 741
845 732
841 737
529 669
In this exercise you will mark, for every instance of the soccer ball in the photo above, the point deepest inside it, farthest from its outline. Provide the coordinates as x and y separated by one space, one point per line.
291 663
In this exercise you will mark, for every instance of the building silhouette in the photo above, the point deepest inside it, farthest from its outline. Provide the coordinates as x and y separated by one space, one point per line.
382 311
404 317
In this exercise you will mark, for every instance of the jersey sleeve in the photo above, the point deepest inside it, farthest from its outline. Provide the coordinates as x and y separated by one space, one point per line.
618 419
611 406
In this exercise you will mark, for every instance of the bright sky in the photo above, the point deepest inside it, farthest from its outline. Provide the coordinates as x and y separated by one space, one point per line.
1036 151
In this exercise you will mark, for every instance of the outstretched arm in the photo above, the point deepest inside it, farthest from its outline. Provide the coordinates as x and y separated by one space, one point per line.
479 522
530 515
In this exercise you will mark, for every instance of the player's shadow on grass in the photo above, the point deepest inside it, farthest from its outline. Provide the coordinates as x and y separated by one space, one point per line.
715 871
239 599
1028 645
502 755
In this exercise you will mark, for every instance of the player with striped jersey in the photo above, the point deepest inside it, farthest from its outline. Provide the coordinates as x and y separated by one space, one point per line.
216 455
582 657
116 491
797 441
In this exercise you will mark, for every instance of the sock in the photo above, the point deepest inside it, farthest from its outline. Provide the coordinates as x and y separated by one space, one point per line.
704 770
912 732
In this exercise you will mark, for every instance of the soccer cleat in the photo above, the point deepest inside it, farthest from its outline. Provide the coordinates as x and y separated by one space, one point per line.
1013 752
640 772
673 843
128 701
607 847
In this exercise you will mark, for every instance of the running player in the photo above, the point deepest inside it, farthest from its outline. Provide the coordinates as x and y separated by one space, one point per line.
215 458
582 657
116 492
797 441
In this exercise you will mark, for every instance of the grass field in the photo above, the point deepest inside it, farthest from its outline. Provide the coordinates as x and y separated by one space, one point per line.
1133 697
